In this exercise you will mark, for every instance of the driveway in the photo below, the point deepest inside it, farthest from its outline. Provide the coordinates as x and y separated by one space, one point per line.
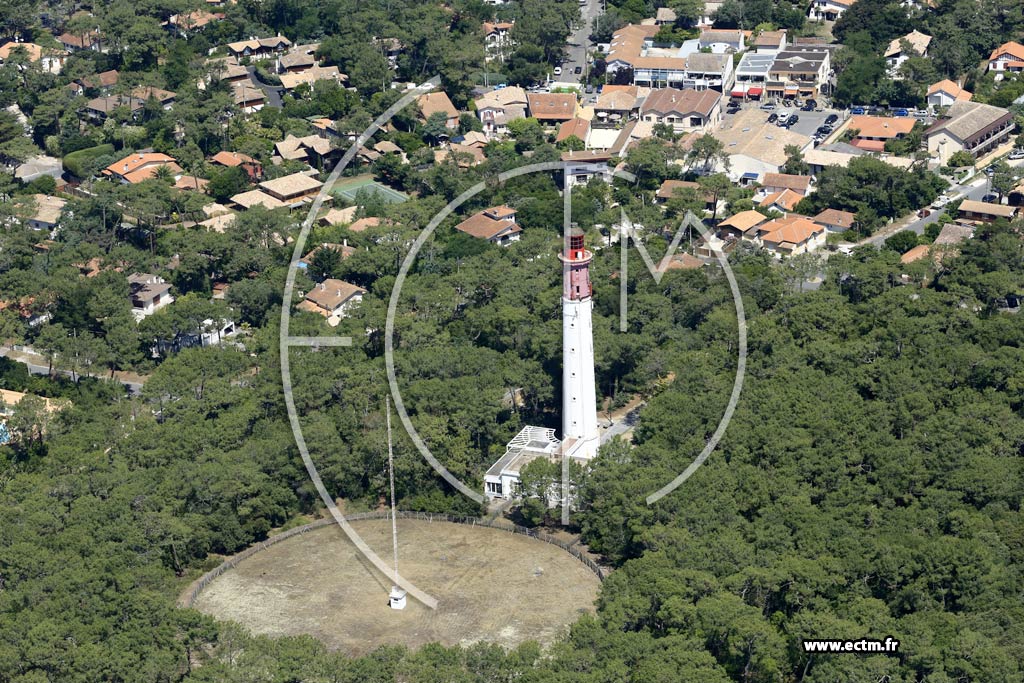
37 365
271 92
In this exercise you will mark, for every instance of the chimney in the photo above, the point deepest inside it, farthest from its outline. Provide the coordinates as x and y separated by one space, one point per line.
344 242
323 287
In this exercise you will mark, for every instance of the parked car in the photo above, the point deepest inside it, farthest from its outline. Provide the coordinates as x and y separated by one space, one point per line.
901 112
578 70
767 106
924 213
940 201
589 89
831 118
773 117
1017 154
809 105
558 71
793 118
991 170
857 110
991 198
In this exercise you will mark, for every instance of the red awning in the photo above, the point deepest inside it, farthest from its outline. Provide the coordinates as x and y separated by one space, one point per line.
738 93
754 92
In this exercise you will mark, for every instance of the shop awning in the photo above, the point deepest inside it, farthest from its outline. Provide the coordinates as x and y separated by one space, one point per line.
754 92
738 93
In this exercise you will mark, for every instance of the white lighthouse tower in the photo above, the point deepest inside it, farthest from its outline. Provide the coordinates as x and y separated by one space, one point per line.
579 396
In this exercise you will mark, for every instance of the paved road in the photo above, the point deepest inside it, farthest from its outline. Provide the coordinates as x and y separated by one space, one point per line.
579 43
37 365
975 189
621 426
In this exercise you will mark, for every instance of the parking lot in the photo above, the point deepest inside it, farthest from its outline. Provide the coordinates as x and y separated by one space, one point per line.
808 122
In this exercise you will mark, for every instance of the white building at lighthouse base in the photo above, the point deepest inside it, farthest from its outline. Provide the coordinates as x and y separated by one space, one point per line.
502 479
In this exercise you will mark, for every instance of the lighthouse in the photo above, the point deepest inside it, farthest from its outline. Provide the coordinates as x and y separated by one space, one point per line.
579 401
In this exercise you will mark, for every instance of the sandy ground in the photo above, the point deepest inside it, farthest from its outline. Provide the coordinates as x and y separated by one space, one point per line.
491 585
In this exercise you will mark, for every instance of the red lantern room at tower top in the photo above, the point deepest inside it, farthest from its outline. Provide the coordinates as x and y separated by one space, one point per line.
575 267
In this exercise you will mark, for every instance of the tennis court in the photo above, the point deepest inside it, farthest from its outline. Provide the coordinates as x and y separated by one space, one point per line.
349 189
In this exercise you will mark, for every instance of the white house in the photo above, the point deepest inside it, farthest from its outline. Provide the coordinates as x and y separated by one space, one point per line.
683 110
582 166
721 41
497 225
828 10
895 55
945 93
149 293
1007 57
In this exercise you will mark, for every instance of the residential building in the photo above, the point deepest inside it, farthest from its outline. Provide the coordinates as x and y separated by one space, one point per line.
742 225
632 48
496 108
497 225
828 10
783 201
148 293
835 220
1007 57
192 22
42 212
972 127
502 479
872 132
791 236
575 127
298 58
50 60
684 110
617 103
251 198
99 108
945 93
552 108
248 97
438 102
752 74
799 73
89 40
720 41
294 190
144 93
985 211
312 149
343 250
252 167
497 39
258 48
582 166
333 299
192 183
102 82
664 16
310 76
777 182
917 44
769 42
135 168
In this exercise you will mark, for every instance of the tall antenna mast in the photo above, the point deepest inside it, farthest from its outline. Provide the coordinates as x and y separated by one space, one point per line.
397 596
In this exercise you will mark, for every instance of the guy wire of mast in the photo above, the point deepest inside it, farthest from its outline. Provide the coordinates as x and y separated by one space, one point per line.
391 476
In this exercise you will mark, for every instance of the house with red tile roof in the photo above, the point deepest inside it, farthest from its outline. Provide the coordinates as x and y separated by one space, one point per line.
497 225
135 168
1007 57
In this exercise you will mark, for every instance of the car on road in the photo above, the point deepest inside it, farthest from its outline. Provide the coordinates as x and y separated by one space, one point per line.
991 198
831 118
924 213
773 117
578 70
558 71
940 201
1016 154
